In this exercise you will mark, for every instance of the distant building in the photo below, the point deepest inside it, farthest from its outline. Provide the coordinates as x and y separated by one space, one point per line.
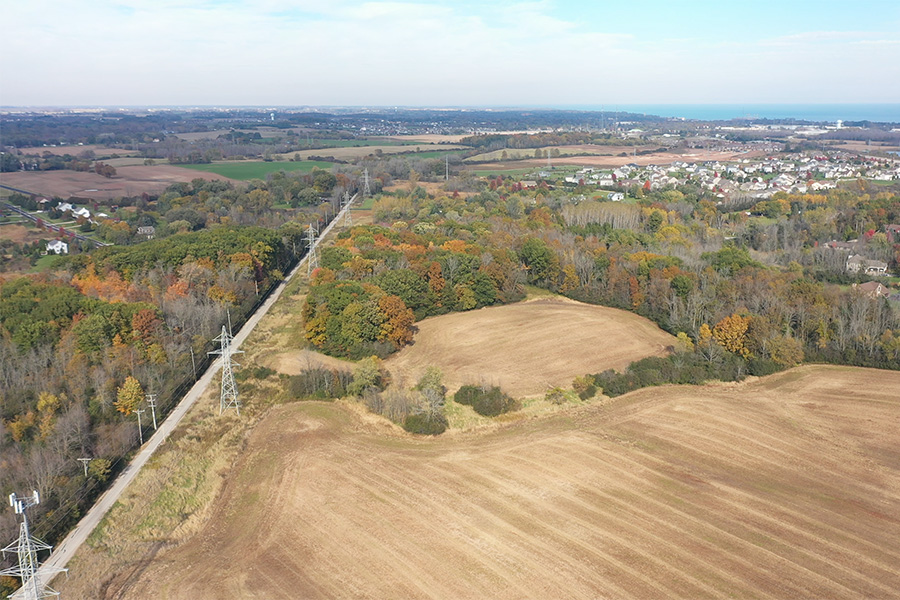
57 247
147 230
893 233
616 196
860 264
873 289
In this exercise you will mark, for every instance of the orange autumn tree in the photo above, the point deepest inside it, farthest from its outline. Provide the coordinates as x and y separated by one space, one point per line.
398 324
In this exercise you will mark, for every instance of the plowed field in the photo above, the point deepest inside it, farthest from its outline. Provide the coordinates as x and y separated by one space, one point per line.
529 346
785 487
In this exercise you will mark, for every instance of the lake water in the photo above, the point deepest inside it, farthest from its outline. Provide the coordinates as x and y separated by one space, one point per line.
883 113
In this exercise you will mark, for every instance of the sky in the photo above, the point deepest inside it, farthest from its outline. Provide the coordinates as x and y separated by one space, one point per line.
448 53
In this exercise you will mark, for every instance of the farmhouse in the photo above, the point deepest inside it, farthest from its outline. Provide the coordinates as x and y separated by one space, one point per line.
57 247
149 231
857 263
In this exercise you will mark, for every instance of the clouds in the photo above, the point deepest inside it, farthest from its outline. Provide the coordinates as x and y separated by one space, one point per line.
347 52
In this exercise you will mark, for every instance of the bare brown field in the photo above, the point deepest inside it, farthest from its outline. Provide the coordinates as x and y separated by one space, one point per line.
863 147
784 487
97 149
129 181
21 234
530 346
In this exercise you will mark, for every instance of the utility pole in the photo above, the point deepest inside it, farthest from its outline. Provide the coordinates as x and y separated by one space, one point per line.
151 402
84 462
312 261
366 190
26 548
345 206
139 411
193 362
229 394
447 168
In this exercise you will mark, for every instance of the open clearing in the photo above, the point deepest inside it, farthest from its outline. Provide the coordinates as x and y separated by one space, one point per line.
258 169
129 181
783 487
529 346
351 152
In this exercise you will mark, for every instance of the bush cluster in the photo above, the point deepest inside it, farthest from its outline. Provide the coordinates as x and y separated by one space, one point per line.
425 424
319 384
488 402
681 368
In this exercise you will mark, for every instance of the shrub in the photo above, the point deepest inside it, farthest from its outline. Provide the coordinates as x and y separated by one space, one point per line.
424 424
488 402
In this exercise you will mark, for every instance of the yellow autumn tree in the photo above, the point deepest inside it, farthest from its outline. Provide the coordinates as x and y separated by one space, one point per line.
731 334
129 396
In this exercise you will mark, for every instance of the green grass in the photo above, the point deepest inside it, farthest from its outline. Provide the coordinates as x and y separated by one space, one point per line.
258 170
366 204
44 263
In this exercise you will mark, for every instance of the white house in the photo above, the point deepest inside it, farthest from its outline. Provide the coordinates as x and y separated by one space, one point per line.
616 196
82 212
57 247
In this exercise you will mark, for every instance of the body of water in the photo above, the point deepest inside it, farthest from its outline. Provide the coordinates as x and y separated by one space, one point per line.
883 113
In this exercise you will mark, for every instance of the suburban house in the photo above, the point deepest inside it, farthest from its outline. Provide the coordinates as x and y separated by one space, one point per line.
147 230
860 264
873 289
616 196
57 247
82 212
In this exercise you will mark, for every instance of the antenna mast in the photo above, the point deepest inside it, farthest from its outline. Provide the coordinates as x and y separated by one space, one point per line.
26 548
312 261
229 395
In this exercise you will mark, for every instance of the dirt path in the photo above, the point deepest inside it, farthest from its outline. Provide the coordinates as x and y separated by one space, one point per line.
785 487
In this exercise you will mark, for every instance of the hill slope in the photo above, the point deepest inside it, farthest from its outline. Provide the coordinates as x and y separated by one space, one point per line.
529 346
783 487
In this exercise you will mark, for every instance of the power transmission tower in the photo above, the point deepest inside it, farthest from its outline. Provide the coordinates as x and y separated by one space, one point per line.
366 190
26 549
229 394
312 261
151 402
139 412
345 206
84 462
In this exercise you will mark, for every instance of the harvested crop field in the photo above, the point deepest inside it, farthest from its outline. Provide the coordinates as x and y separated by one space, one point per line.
785 487
129 181
530 346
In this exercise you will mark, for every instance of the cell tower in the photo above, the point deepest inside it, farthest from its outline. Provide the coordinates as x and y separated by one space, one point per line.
26 549
312 261
366 190
345 206
229 395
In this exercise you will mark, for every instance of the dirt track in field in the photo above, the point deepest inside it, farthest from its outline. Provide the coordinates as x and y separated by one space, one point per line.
785 487
528 347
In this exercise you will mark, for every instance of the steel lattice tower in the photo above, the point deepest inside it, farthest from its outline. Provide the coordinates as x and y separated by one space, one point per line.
366 190
345 206
26 549
229 395
312 260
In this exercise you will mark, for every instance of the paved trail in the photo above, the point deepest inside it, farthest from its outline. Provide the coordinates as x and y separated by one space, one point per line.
67 548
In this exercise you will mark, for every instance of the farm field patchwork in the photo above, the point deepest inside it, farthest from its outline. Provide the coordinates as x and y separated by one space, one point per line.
782 487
